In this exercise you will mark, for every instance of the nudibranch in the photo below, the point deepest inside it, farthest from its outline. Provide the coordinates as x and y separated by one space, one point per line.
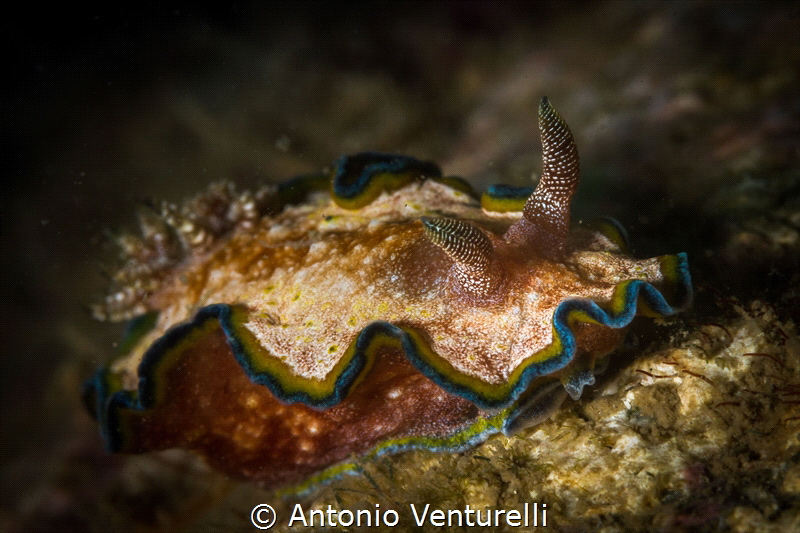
377 308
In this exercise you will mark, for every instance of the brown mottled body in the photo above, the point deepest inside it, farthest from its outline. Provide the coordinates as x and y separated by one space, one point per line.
314 278
241 428
284 343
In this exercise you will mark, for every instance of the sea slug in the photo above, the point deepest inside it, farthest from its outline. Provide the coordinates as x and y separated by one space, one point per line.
378 308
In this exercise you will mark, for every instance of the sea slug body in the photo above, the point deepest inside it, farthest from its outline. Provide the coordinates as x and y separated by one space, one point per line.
376 309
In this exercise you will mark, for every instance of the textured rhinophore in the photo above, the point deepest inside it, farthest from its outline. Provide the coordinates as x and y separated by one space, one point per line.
378 309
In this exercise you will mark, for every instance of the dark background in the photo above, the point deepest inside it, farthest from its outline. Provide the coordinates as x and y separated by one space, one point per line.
687 117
